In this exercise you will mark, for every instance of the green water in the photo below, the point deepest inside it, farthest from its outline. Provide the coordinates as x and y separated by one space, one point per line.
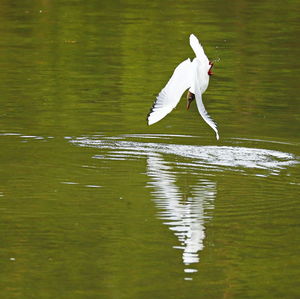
96 204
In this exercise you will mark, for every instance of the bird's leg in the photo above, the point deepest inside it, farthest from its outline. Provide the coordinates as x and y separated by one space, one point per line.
190 98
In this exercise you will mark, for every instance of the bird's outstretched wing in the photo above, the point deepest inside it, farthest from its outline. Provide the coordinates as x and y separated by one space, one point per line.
200 105
197 48
170 95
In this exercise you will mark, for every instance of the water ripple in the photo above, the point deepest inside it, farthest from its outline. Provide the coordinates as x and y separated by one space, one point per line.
218 158
186 213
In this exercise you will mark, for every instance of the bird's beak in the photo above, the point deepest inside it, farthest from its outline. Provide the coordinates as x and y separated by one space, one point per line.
188 104
211 66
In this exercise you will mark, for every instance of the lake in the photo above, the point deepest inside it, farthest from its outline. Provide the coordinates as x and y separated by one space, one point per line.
94 203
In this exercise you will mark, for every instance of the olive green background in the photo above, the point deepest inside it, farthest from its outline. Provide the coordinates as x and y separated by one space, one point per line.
96 204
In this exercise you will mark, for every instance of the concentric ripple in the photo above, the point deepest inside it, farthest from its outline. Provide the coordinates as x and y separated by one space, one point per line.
236 158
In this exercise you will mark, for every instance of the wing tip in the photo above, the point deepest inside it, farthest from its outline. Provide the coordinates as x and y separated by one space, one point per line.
149 122
192 38
148 119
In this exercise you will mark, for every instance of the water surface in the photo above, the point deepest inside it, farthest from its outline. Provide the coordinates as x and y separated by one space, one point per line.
96 204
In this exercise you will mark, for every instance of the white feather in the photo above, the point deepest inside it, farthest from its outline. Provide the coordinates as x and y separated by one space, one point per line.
197 48
170 95
204 113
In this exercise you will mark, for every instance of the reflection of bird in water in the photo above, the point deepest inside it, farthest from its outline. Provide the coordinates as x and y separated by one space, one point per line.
192 75
185 217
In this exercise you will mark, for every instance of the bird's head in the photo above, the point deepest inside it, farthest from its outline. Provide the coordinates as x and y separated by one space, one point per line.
211 66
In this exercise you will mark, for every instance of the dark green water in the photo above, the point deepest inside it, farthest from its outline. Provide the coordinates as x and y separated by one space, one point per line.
96 204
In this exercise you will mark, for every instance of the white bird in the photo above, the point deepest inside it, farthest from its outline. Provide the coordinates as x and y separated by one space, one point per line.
193 75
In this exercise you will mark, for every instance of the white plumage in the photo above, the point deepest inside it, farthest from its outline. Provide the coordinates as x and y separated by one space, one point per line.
192 75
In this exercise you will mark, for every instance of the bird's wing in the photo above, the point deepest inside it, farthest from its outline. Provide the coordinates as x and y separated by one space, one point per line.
200 105
197 48
204 113
170 95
